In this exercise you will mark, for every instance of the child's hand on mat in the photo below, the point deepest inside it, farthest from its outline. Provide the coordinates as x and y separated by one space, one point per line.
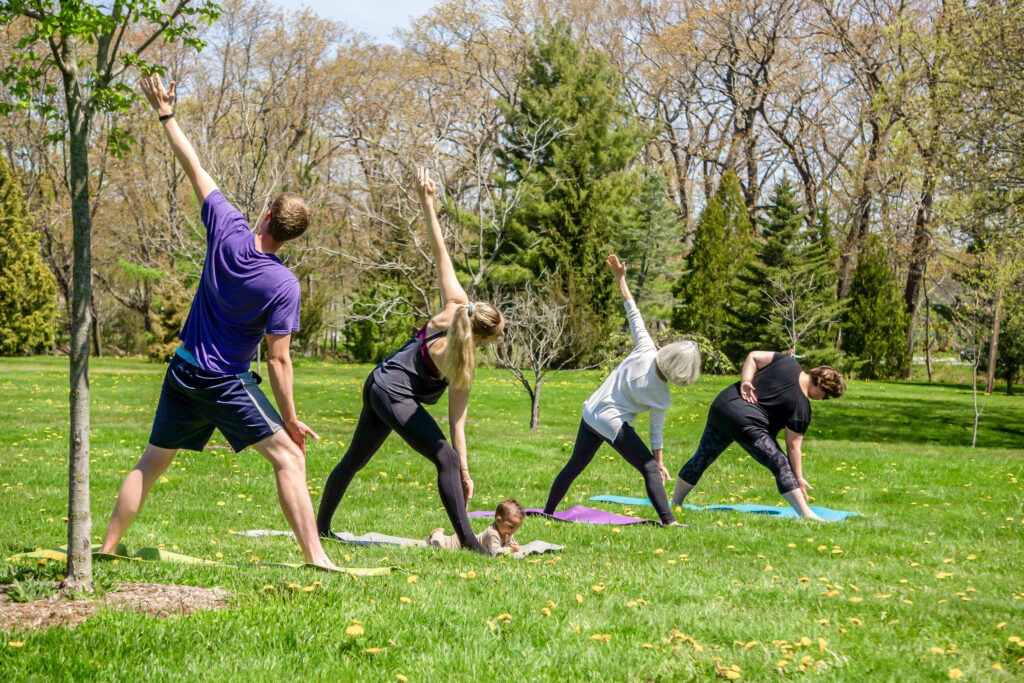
425 188
617 267
747 392
514 547
298 431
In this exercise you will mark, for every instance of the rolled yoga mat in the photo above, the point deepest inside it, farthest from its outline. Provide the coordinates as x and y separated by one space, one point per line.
160 555
824 513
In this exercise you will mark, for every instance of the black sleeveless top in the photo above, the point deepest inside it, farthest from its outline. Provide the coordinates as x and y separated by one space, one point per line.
409 373
780 402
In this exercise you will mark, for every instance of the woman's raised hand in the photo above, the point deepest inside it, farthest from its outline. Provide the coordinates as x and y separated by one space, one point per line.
617 267
425 188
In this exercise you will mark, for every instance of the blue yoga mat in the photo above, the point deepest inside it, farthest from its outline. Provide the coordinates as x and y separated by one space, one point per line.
824 513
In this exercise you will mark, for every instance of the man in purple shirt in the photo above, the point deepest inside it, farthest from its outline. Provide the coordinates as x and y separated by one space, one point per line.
245 292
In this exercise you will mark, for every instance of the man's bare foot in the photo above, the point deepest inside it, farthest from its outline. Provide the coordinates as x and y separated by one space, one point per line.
327 564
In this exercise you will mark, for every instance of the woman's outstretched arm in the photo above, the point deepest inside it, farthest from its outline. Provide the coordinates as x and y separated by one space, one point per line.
451 291
641 339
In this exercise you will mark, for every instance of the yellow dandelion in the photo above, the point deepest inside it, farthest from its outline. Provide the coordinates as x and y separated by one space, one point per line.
956 673
355 630
412 579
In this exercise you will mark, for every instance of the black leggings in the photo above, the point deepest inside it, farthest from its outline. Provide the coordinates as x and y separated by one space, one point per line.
381 415
631 447
763 449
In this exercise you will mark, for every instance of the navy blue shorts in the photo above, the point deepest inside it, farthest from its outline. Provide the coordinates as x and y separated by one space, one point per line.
194 401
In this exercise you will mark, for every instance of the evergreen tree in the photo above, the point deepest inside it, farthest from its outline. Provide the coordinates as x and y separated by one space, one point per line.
786 293
649 243
579 189
874 324
721 245
28 305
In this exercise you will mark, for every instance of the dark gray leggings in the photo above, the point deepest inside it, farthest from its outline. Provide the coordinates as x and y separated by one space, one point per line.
763 449
381 415
631 447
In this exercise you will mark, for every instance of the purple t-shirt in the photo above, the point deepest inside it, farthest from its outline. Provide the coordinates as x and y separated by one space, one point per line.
243 294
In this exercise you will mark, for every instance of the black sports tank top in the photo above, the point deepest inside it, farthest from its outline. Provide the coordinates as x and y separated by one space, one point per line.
409 373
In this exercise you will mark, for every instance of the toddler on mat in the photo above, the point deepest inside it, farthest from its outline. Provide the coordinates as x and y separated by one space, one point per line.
496 539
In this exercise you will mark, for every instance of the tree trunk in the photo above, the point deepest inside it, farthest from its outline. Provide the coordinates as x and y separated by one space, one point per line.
79 569
993 346
535 402
861 213
97 349
534 410
918 257
927 333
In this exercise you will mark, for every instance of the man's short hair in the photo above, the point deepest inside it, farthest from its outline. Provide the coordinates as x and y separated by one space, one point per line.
289 217
509 509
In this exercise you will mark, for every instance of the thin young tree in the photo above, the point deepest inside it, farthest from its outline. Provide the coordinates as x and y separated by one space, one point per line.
537 335
89 49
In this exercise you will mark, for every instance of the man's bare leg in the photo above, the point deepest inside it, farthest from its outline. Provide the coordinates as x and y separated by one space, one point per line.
151 465
292 492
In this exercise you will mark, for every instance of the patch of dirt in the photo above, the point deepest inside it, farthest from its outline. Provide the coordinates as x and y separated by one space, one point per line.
156 600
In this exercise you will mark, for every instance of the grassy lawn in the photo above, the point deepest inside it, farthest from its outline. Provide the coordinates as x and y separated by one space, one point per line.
928 583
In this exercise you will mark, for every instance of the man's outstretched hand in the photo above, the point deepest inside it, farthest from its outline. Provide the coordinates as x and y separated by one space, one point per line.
160 98
298 431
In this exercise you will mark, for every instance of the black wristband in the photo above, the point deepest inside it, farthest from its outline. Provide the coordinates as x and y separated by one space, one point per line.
164 117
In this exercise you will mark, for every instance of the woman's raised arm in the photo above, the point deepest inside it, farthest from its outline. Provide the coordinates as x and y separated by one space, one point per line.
451 291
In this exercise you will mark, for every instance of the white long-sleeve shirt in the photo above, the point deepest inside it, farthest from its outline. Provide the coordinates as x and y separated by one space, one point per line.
633 388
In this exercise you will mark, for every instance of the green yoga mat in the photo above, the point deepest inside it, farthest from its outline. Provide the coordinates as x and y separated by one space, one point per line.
160 555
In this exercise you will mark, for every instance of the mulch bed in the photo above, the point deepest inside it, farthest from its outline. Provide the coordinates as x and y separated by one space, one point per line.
156 600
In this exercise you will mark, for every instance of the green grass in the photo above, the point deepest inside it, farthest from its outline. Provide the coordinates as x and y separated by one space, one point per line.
746 589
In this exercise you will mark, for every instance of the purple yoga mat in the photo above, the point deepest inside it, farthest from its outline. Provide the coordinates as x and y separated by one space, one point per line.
579 513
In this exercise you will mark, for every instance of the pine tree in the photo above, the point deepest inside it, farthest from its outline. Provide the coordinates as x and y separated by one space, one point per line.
579 187
721 245
28 291
649 243
875 320
786 293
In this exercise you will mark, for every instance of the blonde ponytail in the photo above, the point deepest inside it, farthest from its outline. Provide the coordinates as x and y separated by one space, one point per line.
459 361
458 365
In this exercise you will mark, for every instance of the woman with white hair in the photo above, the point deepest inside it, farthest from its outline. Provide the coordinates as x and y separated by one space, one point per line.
639 384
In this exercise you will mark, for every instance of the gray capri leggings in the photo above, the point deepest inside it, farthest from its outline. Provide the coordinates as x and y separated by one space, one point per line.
763 448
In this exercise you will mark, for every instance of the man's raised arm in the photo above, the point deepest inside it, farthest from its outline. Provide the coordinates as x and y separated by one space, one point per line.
162 101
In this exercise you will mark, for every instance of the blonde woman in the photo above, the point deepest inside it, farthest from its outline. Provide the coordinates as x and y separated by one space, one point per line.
639 384
439 356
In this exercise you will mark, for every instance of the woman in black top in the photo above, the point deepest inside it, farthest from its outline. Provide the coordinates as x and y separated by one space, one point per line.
439 355
772 393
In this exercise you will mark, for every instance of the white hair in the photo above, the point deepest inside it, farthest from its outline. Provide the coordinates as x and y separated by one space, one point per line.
679 362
